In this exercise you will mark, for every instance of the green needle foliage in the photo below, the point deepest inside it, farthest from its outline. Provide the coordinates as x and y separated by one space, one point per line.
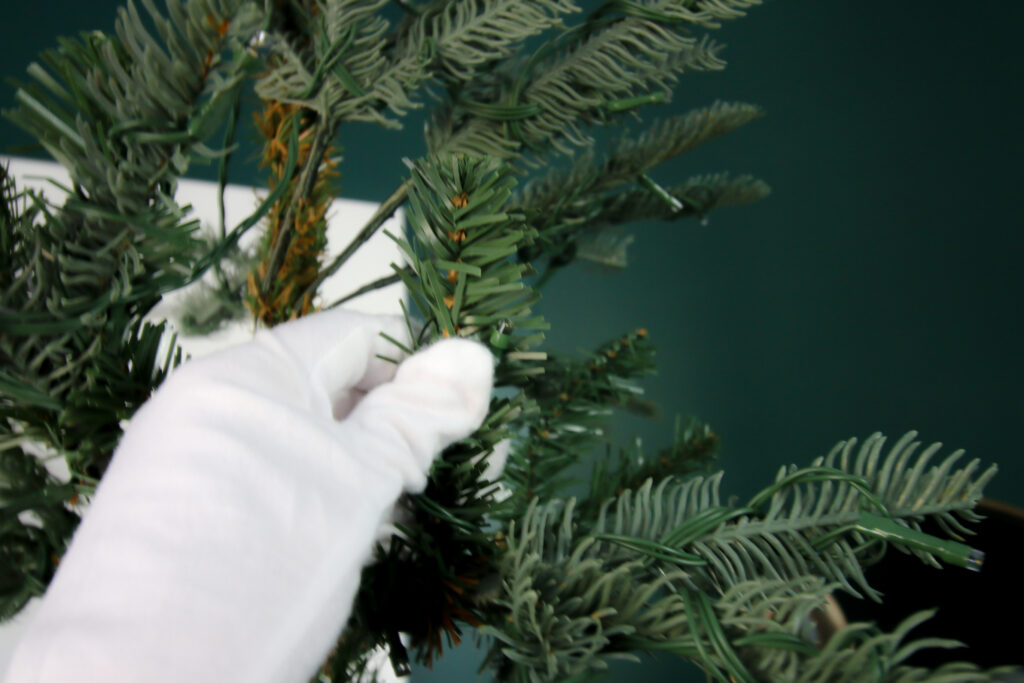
651 558
569 206
668 567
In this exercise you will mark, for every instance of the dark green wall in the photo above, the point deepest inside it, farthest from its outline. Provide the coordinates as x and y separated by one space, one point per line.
876 289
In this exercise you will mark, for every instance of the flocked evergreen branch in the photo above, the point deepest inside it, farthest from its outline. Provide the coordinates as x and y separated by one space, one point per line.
822 520
673 550
572 208
860 653
360 73
584 78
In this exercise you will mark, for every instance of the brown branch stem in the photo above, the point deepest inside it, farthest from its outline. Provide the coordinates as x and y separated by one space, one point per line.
323 133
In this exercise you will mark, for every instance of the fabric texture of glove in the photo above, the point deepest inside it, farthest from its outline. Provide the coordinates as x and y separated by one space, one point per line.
226 540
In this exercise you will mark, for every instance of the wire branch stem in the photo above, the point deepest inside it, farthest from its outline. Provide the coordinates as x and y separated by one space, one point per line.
380 216
372 286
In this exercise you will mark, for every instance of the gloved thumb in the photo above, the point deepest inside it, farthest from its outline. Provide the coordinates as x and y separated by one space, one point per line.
438 396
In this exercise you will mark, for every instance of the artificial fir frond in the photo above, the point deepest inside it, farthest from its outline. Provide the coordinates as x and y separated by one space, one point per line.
591 228
570 610
630 158
623 56
95 266
358 76
29 552
859 653
671 556
817 520
546 104
329 67
573 208
464 281
123 113
696 197
671 137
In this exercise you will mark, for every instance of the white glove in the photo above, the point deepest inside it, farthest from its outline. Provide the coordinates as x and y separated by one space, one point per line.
226 539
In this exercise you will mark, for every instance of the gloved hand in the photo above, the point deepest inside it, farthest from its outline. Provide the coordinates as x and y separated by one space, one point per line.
226 539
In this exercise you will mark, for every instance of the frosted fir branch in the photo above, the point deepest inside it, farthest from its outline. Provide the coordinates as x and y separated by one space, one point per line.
697 197
474 33
567 612
859 648
630 157
366 78
671 137
807 522
556 99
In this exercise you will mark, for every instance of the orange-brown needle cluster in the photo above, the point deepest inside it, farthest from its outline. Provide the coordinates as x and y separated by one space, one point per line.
286 298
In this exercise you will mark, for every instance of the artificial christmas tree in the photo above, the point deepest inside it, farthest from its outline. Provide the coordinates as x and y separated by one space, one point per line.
652 559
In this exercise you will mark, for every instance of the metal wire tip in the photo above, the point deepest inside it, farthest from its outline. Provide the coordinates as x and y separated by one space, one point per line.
975 559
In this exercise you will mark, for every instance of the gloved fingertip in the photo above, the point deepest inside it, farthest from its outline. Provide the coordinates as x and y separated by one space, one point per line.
464 366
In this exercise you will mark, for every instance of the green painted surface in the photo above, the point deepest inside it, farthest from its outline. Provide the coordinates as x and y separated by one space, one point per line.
878 288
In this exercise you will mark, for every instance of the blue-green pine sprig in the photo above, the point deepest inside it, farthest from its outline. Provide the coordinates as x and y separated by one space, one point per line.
364 70
574 206
664 564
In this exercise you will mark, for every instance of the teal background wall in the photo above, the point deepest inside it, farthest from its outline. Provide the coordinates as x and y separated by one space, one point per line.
878 288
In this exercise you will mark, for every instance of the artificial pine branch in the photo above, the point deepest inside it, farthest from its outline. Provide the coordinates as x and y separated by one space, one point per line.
662 563
463 281
591 73
859 653
671 137
630 158
359 76
573 208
